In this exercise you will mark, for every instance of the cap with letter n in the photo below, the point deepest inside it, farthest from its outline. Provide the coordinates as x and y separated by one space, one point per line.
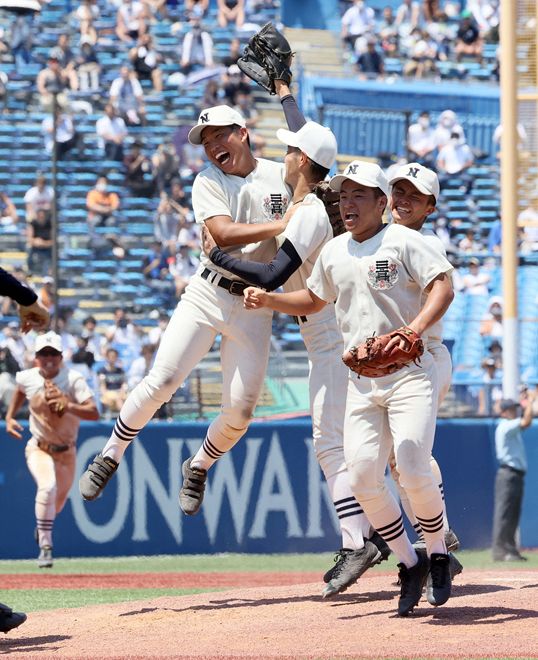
316 141
363 172
48 340
218 115
424 179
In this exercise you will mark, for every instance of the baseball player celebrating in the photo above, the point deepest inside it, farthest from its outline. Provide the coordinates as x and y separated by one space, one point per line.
311 153
413 196
58 399
242 201
377 273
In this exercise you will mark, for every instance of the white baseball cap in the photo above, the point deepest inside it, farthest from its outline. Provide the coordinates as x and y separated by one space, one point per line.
313 139
218 115
48 340
363 172
424 179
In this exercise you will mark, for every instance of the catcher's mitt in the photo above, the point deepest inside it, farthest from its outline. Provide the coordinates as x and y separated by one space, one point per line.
331 199
55 398
266 58
370 358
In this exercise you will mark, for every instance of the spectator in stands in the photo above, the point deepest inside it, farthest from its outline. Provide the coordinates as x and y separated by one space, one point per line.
244 104
8 214
357 23
421 140
96 341
231 57
67 137
183 268
370 62
86 13
469 43
122 331
66 56
39 243
233 81
16 344
83 355
38 197
231 11
212 96
196 48
131 20
87 67
407 16
198 8
476 282
495 352
53 80
523 140
495 237
166 224
139 171
440 229
455 158
491 393
165 165
470 243
112 384
387 30
442 31
192 160
101 204
179 198
69 341
422 55
21 40
127 97
486 14
446 125
111 131
157 332
8 368
141 366
528 220
145 60
492 323
156 270
189 233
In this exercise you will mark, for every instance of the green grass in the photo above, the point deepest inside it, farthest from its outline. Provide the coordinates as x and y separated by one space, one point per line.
32 600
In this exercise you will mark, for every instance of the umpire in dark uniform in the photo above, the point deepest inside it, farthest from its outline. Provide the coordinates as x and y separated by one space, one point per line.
509 482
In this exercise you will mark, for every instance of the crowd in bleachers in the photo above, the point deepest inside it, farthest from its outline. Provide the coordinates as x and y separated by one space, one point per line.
423 39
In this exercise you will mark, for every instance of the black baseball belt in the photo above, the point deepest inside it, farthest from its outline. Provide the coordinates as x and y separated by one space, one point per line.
300 319
235 287
52 448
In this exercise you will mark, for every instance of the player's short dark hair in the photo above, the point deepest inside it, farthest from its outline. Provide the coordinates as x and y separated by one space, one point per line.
236 126
318 171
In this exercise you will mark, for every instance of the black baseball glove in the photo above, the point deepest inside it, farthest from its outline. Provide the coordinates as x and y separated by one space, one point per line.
266 58
331 200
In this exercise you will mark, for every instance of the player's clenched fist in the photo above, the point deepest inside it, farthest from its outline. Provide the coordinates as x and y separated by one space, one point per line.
255 298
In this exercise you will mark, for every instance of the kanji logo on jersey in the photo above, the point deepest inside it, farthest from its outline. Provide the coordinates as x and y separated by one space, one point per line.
274 205
383 274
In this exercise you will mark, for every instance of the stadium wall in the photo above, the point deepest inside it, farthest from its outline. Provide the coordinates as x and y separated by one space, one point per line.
267 496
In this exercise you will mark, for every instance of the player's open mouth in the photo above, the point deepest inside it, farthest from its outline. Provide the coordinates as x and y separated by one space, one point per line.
223 157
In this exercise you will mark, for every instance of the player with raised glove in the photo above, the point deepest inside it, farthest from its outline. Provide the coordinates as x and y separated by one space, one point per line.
55 398
266 58
384 354
331 201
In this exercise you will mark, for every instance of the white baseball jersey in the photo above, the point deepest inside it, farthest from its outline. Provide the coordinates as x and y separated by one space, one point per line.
260 197
377 284
435 331
47 426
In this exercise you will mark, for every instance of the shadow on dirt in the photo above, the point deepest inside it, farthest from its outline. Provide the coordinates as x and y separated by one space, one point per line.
45 643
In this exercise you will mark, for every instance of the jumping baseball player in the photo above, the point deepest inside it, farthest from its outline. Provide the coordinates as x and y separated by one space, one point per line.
377 273
58 399
242 201
33 315
413 196
311 153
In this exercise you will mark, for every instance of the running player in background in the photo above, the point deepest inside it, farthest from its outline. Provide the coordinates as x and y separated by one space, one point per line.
312 151
242 201
377 273
58 399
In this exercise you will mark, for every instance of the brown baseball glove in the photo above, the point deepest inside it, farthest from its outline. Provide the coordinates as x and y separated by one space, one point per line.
371 359
55 398
331 200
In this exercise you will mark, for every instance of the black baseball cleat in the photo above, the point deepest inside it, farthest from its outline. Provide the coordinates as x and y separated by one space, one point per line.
439 585
351 564
10 619
191 493
376 539
96 477
412 581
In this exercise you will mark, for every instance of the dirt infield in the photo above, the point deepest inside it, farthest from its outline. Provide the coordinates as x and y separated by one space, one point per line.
490 614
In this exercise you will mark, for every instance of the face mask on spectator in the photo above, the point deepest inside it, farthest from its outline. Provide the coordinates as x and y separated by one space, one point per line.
424 122
101 187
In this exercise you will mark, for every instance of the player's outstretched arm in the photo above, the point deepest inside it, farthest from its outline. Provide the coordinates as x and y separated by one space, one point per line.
295 303
227 233
440 296
34 317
